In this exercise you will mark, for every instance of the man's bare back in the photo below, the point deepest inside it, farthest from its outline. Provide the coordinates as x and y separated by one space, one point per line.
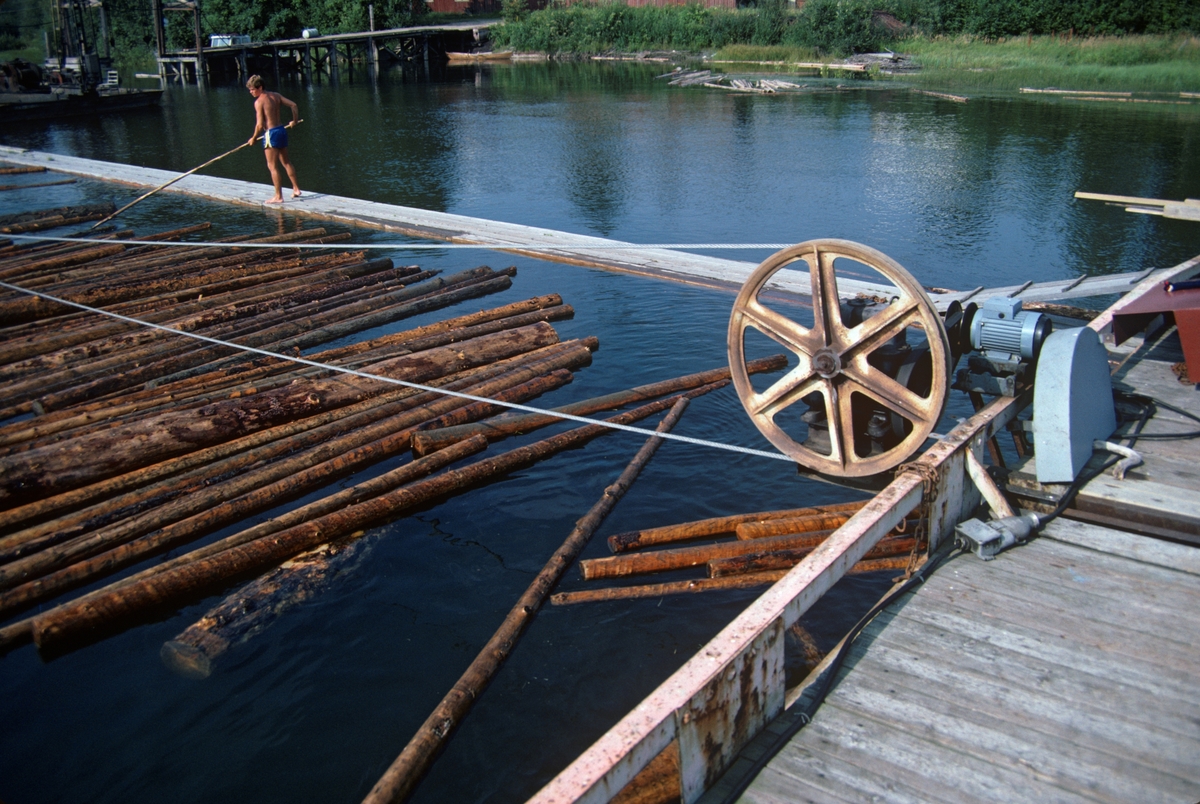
268 124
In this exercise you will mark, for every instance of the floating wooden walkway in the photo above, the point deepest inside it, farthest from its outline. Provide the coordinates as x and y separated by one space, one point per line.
546 244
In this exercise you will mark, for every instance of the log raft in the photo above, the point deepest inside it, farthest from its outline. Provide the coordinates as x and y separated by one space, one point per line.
120 441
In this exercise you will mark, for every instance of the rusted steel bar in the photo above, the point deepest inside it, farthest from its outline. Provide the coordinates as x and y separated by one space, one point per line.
747 581
21 632
823 520
84 460
717 526
888 547
402 777
504 426
72 624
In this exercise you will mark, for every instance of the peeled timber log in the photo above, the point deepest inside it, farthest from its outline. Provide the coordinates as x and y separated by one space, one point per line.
717 526
504 426
85 460
822 520
748 581
401 778
785 559
73 624
680 557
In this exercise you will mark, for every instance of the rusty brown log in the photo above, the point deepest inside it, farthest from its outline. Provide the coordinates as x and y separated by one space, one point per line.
748 581
504 426
251 609
140 488
10 171
785 559
823 520
716 526
163 354
211 386
7 187
72 624
403 775
36 340
207 388
21 632
84 460
193 515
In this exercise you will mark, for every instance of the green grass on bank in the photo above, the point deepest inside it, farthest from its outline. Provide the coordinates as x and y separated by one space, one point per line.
1127 63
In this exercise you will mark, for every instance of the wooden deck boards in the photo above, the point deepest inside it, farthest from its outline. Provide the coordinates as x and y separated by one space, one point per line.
1057 672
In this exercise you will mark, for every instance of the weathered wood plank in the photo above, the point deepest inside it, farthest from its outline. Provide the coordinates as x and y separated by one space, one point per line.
1127 545
808 775
938 718
1065 705
1118 626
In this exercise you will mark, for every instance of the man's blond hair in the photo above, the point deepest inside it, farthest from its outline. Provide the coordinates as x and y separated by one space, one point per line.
255 82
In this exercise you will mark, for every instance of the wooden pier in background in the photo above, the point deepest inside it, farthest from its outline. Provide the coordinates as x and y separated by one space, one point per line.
540 243
314 58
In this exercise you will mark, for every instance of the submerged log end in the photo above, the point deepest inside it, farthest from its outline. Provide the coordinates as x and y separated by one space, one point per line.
185 660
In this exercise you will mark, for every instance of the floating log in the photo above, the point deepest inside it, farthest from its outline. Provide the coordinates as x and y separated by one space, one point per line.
21 632
9 171
7 187
717 526
402 777
748 581
211 508
253 608
90 458
824 520
504 426
70 625
785 559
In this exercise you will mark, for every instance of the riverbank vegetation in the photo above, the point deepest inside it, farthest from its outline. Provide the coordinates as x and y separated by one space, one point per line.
1086 44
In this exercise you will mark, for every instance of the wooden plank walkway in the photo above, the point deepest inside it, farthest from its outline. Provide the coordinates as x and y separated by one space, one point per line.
540 243
1064 670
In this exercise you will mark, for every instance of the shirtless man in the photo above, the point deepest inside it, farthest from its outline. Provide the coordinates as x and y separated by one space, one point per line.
267 121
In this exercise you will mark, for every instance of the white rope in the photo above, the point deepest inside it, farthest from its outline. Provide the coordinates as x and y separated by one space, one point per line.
539 246
340 369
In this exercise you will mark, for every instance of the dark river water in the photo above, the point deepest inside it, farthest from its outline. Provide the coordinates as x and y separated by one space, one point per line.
316 707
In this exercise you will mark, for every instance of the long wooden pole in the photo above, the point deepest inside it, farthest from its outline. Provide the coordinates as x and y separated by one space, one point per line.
398 782
181 176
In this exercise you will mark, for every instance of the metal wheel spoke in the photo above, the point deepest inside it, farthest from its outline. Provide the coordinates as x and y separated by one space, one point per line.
826 304
779 328
879 329
892 395
794 386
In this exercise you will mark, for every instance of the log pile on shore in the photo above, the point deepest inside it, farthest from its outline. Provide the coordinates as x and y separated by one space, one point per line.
129 434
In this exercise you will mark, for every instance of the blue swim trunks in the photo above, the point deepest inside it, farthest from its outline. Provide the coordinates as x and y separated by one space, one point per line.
276 137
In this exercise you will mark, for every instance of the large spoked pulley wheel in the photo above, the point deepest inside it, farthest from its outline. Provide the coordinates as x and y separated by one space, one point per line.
840 411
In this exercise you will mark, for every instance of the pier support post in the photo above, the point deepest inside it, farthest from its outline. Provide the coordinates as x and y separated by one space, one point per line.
333 63
308 67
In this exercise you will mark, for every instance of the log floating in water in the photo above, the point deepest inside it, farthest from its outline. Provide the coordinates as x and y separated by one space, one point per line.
71 625
511 424
402 777
717 526
748 581
785 559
